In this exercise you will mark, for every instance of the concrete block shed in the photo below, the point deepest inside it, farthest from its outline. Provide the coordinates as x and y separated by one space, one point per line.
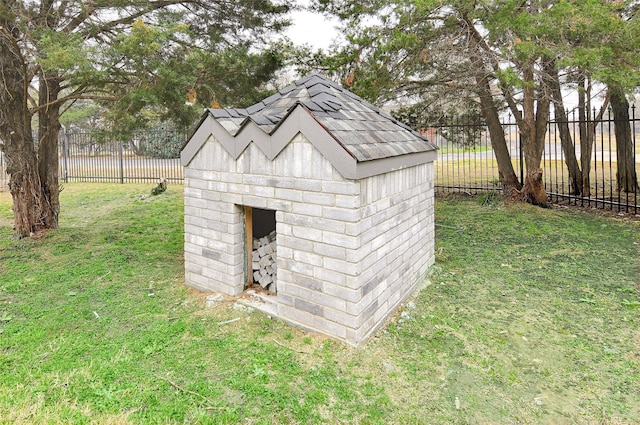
319 197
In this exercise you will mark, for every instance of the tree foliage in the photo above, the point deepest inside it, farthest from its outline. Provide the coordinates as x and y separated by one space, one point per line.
433 54
142 60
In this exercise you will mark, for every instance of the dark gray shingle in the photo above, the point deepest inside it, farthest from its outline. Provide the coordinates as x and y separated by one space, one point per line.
364 130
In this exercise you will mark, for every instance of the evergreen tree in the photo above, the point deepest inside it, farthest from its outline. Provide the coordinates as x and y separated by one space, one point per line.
499 54
143 59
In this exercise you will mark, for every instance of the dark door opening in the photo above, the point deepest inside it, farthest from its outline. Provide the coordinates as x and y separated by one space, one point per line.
261 252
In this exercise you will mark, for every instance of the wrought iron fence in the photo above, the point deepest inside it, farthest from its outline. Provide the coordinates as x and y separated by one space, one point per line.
466 162
4 180
99 157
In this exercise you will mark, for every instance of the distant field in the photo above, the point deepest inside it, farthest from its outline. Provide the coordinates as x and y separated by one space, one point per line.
480 173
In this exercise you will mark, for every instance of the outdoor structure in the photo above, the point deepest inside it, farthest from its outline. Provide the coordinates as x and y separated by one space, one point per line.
337 195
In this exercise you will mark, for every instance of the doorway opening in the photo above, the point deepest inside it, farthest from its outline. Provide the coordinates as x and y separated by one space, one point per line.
261 249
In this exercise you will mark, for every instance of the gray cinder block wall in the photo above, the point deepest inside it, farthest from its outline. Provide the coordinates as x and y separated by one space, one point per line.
349 249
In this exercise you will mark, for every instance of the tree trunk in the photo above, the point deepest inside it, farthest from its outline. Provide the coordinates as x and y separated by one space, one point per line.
626 176
586 137
568 148
533 129
510 183
48 131
35 199
35 196
26 191
24 181
533 191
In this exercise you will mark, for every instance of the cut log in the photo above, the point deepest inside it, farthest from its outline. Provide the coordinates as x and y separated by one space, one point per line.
264 260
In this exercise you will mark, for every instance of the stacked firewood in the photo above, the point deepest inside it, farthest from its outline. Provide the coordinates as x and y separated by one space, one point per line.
264 261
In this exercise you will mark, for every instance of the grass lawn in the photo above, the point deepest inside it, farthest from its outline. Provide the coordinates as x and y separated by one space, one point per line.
532 317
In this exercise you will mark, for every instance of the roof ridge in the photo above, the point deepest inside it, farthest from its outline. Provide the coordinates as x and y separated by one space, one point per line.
365 130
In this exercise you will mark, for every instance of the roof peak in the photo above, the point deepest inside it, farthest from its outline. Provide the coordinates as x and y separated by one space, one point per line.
366 131
319 97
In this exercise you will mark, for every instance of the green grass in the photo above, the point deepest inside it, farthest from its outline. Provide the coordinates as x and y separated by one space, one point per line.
471 172
532 317
451 148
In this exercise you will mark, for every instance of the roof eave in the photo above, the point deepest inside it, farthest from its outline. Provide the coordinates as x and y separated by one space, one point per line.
298 120
375 167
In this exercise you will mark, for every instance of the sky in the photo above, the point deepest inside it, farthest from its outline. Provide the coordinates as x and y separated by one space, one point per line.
320 32
312 28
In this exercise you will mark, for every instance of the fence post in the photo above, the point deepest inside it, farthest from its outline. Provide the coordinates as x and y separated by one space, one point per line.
65 147
121 164
521 157
634 150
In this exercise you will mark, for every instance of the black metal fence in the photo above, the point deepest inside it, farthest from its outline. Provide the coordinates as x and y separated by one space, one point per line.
4 179
100 157
466 162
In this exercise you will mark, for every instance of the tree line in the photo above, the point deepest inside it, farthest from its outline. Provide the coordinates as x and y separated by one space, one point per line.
141 60
144 62
496 55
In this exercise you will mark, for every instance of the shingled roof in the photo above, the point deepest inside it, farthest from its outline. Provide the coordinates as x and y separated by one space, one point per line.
364 130
359 134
